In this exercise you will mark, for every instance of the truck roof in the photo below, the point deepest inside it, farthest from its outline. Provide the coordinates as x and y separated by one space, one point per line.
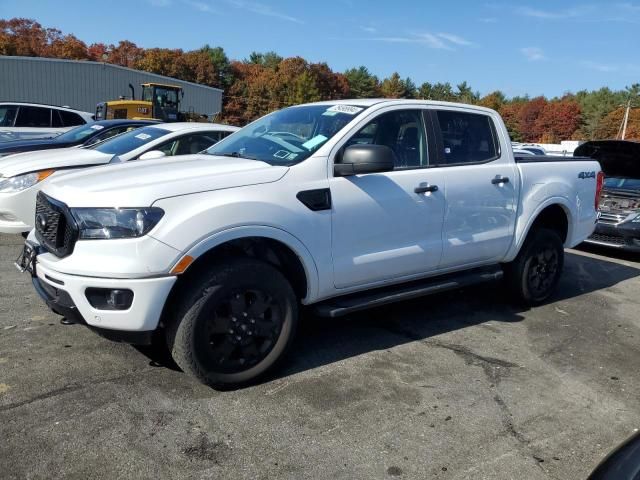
368 102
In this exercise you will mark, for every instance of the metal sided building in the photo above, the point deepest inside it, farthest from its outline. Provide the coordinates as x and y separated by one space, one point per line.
81 85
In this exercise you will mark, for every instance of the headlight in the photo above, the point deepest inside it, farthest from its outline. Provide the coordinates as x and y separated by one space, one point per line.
22 182
109 223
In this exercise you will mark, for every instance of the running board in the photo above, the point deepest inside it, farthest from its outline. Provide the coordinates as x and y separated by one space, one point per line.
339 306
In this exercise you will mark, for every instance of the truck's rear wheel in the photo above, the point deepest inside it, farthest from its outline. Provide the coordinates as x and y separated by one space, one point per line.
236 323
535 272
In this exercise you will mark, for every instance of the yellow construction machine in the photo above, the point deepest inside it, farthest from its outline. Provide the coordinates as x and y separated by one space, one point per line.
158 102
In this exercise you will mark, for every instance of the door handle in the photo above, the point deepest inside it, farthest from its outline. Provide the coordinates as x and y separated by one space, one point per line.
499 179
426 188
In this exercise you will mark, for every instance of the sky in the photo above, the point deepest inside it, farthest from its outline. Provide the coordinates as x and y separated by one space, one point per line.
532 47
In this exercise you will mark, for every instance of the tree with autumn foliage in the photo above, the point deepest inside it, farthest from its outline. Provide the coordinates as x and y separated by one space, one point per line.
610 127
559 120
510 113
527 119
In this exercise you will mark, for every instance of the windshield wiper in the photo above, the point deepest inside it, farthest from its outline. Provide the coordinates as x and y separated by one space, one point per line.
235 155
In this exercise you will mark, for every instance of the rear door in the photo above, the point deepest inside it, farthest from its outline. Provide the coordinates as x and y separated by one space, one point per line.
382 228
33 122
482 186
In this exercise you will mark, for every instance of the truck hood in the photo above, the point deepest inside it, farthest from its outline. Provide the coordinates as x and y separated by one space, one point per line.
618 158
141 183
56 158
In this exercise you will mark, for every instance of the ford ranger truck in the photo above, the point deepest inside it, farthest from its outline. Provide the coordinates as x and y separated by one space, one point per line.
339 206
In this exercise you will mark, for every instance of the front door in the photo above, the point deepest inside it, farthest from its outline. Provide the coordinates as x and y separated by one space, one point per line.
382 229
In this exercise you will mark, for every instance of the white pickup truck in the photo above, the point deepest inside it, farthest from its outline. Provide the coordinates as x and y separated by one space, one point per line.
342 205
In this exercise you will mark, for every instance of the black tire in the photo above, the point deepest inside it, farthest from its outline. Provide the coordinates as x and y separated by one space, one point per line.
534 274
234 322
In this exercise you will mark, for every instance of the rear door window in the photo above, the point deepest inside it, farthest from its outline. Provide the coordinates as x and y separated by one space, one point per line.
33 117
467 137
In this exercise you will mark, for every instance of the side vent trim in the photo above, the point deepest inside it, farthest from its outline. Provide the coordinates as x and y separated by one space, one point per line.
316 200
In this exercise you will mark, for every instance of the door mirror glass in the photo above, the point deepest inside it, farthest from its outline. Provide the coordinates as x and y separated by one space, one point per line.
358 159
150 155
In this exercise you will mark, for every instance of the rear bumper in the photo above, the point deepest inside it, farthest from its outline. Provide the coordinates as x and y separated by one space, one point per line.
624 236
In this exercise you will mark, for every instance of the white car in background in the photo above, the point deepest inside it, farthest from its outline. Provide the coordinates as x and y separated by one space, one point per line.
532 148
519 152
21 175
21 120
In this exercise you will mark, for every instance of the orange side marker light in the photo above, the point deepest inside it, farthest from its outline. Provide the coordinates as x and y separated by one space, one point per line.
182 265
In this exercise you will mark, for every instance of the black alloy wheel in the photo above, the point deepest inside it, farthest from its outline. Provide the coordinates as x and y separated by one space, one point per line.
243 329
543 270
234 321
535 272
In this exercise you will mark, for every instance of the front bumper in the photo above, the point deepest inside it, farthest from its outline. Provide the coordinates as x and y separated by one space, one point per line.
623 236
66 295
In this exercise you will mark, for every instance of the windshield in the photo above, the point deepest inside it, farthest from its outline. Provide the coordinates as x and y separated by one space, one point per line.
287 136
79 133
130 140
165 97
622 183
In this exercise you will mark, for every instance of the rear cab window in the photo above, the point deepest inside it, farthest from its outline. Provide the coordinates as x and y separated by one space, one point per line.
467 137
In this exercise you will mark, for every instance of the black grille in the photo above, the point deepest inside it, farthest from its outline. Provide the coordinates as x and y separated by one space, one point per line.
617 240
55 228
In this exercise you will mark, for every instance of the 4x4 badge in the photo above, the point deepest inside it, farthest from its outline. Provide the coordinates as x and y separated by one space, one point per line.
584 175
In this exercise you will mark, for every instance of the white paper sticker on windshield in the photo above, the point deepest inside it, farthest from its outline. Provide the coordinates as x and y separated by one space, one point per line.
97 127
348 109
143 136
314 142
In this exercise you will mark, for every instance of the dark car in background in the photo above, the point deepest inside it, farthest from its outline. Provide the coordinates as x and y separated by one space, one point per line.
84 135
619 209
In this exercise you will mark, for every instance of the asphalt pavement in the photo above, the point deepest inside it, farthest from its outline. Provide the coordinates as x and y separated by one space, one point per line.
462 385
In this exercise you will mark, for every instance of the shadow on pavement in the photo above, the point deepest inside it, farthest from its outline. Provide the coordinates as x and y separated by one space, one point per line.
323 341
609 252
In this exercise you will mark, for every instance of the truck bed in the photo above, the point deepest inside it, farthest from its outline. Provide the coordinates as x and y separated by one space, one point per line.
548 158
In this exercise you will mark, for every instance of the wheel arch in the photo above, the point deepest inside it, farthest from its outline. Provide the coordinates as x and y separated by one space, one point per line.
554 214
272 245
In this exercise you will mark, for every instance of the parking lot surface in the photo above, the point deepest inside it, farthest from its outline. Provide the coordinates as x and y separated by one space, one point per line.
459 385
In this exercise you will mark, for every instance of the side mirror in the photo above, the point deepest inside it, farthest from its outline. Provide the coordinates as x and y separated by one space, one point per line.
151 154
365 159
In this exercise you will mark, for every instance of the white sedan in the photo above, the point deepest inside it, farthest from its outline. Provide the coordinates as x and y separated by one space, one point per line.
21 175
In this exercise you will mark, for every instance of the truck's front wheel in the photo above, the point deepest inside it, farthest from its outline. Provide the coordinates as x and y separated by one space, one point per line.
535 272
237 320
